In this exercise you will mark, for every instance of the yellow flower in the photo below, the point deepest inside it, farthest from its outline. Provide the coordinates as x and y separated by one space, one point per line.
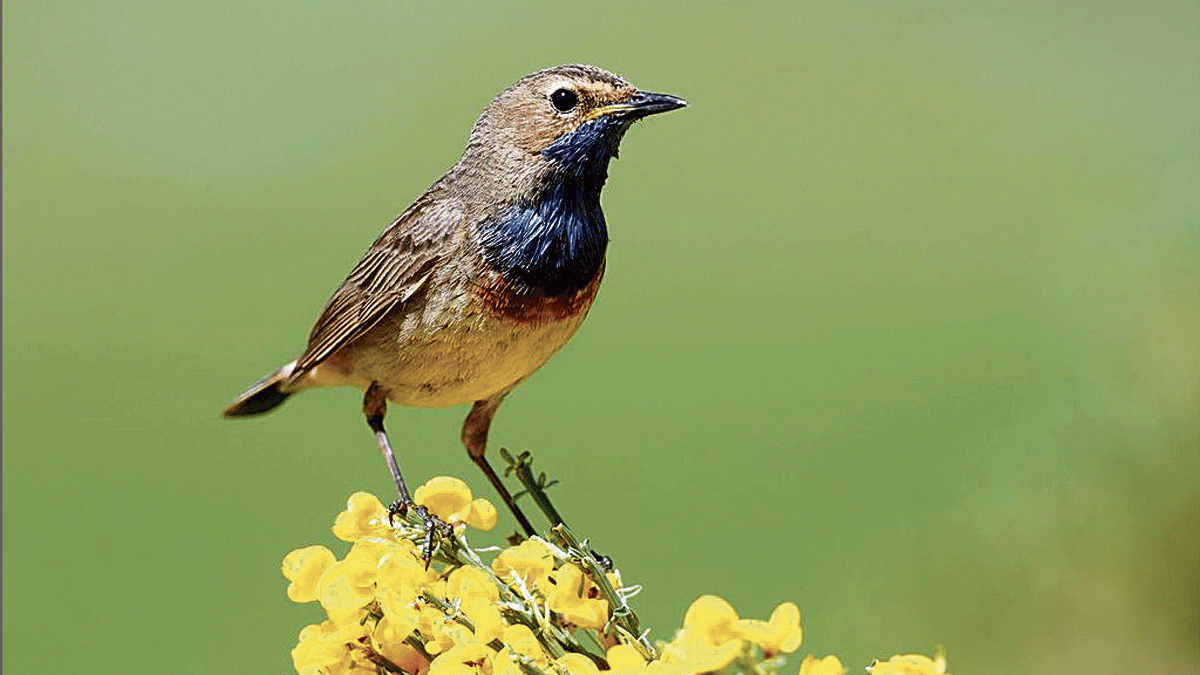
437 587
327 648
401 576
347 585
708 641
395 629
830 665
470 654
445 497
432 624
304 567
572 599
505 663
364 516
389 636
451 668
471 582
409 659
366 553
521 640
400 610
531 560
578 664
485 616
910 664
697 656
711 619
614 579
382 602
450 499
781 634
483 515
660 668
620 657
452 634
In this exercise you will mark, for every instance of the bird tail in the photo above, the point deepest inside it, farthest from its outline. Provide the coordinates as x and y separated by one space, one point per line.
264 396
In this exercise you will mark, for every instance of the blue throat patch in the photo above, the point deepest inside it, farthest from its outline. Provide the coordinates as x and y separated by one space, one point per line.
554 240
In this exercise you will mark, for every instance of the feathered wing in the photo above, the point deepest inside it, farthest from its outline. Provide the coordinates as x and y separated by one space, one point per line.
394 269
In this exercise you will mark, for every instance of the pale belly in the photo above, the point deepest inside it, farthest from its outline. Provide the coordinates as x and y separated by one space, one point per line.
446 350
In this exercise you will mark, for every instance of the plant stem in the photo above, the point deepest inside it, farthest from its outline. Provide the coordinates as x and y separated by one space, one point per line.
523 468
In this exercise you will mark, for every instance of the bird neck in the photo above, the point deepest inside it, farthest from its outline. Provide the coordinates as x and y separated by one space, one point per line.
584 153
553 241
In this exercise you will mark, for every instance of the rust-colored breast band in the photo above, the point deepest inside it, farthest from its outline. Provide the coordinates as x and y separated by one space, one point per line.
520 304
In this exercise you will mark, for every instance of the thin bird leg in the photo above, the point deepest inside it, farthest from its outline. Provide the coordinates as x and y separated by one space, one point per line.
483 464
375 407
474 436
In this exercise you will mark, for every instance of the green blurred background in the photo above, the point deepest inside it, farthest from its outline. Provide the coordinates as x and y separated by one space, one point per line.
901 318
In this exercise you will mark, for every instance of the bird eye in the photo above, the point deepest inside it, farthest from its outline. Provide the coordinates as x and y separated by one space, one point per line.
564 100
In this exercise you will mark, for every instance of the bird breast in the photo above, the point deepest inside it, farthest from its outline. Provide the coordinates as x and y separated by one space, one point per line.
470 336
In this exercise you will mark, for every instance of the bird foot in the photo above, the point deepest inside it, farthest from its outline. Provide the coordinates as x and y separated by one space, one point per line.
436 529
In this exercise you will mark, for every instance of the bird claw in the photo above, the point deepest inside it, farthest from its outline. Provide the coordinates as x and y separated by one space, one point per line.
398 508
436 529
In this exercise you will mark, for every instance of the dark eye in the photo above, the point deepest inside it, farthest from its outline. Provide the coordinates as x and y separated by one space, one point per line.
564 100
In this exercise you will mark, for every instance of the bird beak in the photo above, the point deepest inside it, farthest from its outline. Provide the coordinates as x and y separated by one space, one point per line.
640 105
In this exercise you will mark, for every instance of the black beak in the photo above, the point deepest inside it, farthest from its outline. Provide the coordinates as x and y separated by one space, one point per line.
645 103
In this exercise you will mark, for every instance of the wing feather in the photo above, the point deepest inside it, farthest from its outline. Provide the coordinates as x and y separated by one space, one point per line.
394 269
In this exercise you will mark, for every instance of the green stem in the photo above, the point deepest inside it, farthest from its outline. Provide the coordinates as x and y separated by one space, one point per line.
523 468
622 614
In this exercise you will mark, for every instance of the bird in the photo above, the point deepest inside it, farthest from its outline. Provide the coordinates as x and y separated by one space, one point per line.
486 275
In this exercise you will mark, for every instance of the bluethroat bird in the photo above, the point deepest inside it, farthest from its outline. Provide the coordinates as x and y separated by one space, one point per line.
488 274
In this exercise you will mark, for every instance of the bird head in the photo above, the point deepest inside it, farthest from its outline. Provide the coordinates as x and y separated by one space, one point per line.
569 118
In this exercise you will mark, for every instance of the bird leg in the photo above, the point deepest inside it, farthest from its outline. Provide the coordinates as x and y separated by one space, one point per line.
474 437
374 407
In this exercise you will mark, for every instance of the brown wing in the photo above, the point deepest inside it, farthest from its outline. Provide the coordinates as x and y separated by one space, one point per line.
396 266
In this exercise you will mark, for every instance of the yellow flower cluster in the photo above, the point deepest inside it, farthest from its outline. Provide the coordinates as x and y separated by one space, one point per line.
713 636
543 607
910 664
